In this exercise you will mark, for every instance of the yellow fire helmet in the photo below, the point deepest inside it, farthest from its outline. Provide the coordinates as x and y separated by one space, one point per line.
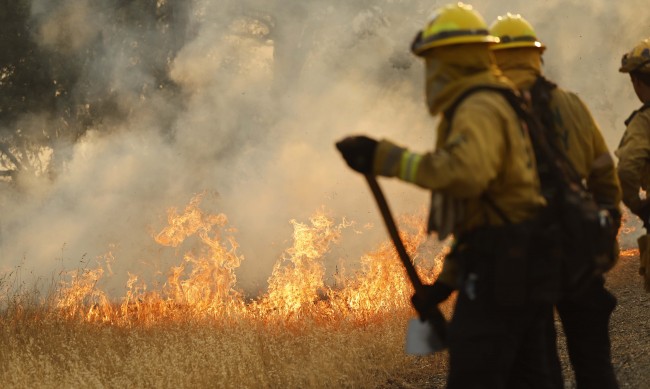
514 31
451 25
637 60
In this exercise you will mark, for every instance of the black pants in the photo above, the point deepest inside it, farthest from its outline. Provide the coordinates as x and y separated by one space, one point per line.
499 348
586 326
499 338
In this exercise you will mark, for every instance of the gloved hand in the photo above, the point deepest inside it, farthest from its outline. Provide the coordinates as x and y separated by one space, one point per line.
430 297
358 152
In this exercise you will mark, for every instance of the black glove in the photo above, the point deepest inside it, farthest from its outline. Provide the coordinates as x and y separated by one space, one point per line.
428 299
358 152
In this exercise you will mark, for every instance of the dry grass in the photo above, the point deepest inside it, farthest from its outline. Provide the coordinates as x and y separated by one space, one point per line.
246 354
198 331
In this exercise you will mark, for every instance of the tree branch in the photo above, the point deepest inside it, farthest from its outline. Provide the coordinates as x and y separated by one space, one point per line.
5 150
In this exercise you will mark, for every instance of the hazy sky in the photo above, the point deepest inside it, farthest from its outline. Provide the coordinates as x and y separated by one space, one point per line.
261 136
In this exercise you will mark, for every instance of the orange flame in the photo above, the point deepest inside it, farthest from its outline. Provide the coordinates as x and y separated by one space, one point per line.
203 285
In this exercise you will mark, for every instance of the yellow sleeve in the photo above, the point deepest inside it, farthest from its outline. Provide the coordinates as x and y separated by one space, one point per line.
602 180
470 157
467 160
584 144
634 156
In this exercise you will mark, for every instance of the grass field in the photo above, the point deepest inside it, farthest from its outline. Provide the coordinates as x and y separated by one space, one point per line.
245 354
199 331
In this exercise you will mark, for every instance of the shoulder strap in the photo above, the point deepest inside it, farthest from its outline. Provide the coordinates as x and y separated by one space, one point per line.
488 200
451 111
449 115
643 108
542 87
544 150
553 164
540 94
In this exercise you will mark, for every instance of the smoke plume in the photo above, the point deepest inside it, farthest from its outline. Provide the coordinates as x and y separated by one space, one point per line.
248 108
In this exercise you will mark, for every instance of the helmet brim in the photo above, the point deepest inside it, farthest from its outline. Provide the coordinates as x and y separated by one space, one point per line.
517 45
420 49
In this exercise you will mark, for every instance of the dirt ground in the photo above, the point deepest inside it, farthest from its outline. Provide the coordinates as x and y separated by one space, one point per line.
629 329
630 324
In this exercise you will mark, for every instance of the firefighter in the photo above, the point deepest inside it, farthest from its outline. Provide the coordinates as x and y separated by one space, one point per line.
634 150
585 318
486 192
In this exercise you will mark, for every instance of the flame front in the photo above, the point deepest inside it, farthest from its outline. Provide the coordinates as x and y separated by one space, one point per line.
204 285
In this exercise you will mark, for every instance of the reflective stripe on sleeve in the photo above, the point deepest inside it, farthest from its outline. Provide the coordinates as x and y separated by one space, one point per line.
409 166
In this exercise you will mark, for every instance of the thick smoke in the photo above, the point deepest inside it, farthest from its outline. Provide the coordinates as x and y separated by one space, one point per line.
249 108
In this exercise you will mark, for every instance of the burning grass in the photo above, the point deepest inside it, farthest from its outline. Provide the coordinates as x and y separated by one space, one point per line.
198 330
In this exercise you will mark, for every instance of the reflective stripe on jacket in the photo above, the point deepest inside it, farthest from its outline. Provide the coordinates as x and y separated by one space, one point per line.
484 152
